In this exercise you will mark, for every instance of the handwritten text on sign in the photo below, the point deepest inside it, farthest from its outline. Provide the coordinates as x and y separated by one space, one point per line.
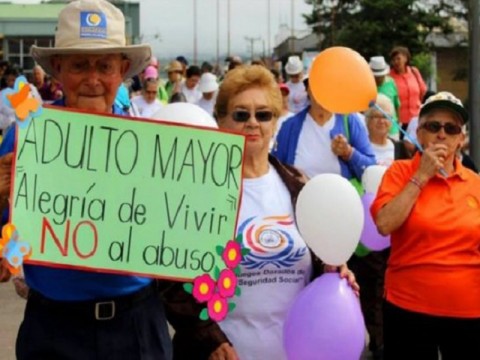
119 195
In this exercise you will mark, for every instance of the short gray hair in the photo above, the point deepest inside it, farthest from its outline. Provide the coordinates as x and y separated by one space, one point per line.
383 102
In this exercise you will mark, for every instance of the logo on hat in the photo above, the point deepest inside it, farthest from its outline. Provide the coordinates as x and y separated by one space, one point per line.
93 19
93 25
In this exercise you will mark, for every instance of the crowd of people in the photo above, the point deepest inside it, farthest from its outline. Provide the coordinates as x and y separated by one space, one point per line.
421 297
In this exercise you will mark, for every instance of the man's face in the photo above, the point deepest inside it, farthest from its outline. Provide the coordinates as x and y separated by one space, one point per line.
90 82
379 80
38 76
296 78
192 81
150 92
174 76
10 81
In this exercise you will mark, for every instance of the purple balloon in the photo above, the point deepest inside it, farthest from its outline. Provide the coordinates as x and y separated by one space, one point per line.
325 322
370 237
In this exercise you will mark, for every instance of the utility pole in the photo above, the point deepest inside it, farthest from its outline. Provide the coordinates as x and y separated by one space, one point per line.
474 80
251 40
292 27
268 30
218 33
195 32
228 27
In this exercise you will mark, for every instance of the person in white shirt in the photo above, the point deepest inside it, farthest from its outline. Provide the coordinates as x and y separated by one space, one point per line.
208 86
147 104
279 264
298 98
189 87
378 129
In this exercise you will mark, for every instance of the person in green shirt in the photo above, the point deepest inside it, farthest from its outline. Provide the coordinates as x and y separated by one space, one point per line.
386 85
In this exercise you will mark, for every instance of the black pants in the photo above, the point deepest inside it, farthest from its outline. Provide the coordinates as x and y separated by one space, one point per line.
370 273
415 336
58 330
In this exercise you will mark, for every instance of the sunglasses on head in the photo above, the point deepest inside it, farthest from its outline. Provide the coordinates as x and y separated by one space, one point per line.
435 126
244 115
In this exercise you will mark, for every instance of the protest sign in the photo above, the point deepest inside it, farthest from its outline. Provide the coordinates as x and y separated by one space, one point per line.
113 194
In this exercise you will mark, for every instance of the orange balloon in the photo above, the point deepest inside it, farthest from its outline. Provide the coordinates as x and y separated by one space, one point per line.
341 81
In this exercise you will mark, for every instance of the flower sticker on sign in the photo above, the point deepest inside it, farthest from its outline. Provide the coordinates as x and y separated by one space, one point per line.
21 100
227 283
12 249
232 255
215 291
203 287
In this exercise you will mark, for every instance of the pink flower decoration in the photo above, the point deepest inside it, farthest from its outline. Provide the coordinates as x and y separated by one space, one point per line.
232 254
203 287
217 307
227 282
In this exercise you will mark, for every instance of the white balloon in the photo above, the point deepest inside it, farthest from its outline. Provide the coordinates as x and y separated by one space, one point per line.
185 113
372 177
330 217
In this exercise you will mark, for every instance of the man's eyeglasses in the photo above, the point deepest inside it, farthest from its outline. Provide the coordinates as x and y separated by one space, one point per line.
435 126
244 116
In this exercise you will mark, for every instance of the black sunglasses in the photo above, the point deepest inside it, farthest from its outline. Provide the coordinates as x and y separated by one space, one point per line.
244 116
435 126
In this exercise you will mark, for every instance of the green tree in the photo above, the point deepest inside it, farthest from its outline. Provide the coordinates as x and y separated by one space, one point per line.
373 27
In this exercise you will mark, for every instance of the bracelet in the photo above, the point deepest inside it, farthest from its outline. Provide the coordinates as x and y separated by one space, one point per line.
417 182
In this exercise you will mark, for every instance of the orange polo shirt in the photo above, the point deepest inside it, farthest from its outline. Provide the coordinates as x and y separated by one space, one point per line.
434 264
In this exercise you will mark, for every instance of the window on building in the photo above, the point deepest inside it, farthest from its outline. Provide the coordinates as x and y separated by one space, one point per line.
17 50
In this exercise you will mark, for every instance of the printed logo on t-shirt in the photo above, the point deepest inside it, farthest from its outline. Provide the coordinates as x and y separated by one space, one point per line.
270 242
472 202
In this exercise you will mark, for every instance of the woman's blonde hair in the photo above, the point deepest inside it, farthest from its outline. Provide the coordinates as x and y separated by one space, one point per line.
244 78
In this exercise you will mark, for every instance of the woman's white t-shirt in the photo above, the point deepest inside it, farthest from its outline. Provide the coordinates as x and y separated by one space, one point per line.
314 153
385 154
145 109
277 268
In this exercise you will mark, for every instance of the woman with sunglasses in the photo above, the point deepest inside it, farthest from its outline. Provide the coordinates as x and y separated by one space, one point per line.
432 282
279 264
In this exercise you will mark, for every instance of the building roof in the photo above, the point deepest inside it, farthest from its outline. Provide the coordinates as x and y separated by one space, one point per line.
30 11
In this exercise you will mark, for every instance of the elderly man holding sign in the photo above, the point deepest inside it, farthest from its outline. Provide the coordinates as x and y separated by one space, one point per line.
86 314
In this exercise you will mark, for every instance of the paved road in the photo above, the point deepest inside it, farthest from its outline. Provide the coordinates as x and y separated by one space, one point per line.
11 313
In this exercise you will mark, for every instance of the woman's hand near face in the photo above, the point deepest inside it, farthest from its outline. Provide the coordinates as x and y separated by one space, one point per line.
432 160
345 273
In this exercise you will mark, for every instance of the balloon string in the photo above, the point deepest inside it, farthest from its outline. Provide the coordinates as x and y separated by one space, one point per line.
405 134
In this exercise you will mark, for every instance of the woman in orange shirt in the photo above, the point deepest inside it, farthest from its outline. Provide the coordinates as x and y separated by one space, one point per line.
410 85
432 283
